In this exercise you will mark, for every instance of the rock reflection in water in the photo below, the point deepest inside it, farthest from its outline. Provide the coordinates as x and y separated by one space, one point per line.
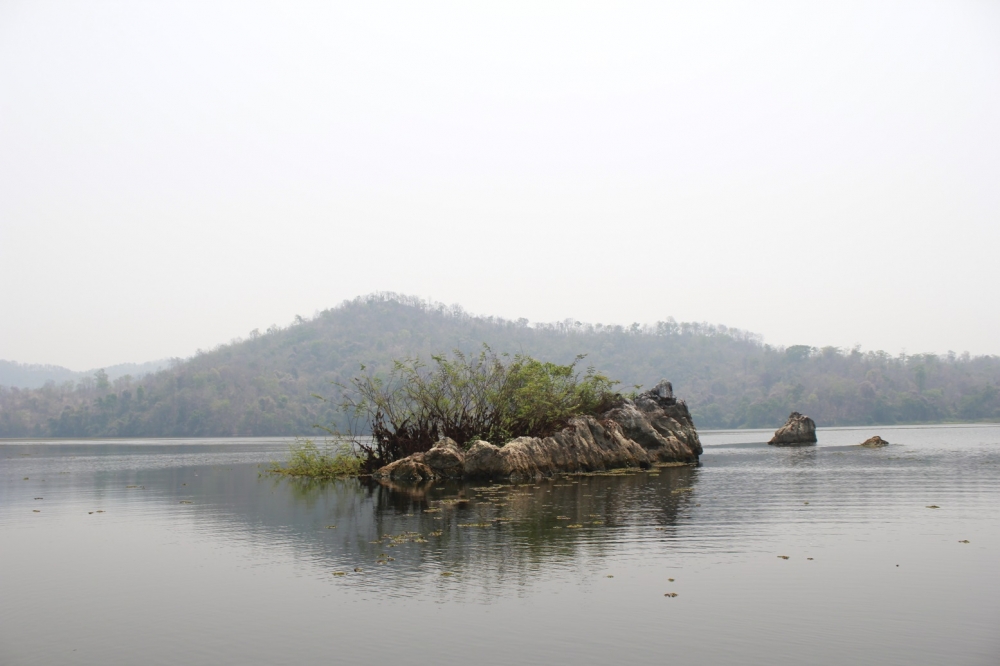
502 532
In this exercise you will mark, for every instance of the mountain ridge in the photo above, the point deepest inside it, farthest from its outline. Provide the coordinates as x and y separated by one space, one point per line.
267 384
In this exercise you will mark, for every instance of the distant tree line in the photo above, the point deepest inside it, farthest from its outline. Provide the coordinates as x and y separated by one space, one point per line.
268 383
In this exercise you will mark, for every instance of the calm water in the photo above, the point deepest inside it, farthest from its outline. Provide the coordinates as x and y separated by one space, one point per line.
176 551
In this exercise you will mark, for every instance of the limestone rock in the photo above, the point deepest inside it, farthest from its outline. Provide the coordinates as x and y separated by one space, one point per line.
410 469
799 429
446 459
874 442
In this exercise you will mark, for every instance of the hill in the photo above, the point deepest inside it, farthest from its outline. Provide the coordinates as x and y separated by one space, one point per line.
33 375
266 384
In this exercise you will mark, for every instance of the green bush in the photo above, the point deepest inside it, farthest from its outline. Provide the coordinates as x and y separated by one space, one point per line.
490 396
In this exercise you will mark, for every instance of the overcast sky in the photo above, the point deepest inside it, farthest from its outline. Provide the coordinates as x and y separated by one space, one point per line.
173 175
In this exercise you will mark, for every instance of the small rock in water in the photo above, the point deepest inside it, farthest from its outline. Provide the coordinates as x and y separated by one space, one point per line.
609 576
670 580
358 569
933 506
964 541
784 557
808 558
36 510
331 527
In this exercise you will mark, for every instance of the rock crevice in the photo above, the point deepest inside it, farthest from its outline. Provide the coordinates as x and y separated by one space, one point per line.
655 428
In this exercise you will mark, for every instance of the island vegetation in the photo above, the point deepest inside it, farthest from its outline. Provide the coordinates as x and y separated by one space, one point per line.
486 396
266 384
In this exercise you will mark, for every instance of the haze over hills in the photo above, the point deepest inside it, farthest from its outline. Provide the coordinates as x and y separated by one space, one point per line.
36 375
268 383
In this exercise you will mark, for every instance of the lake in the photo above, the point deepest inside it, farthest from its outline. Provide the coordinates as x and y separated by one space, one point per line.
178 551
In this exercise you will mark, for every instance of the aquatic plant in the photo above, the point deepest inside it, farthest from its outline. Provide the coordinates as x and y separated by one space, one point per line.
307 459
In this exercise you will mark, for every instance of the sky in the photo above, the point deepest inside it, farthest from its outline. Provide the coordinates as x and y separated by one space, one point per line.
174 175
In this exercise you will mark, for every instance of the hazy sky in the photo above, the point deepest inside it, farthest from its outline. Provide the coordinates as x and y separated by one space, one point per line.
173 175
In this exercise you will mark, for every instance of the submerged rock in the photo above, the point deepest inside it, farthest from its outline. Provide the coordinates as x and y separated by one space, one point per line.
874 442
799 429
656 428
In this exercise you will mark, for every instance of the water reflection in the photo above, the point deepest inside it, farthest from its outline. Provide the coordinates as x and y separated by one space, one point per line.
401 535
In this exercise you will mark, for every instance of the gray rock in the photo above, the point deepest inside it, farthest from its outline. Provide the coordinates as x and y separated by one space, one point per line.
874 442
799 429
410 469
446 459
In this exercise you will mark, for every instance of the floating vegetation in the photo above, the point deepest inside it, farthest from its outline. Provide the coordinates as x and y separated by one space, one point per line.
784 557
808 558
358 570
670 580
933 506
597 522
670 594
675 491
574 527
964 541
186 502
339 573
609 576
475 524
331 527
36 510
38 498
432 510
563 518
447 573
437 533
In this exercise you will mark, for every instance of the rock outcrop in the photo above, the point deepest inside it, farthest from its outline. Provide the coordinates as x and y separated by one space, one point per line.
655 428
874 442
799 429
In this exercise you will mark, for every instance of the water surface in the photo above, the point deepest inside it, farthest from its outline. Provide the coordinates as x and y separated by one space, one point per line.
178 551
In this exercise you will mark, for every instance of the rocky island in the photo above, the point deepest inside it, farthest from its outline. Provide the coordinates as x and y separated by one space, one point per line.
798 430
653 428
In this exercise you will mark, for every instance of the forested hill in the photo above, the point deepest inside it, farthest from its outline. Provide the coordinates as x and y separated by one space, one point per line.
27 375
265 385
